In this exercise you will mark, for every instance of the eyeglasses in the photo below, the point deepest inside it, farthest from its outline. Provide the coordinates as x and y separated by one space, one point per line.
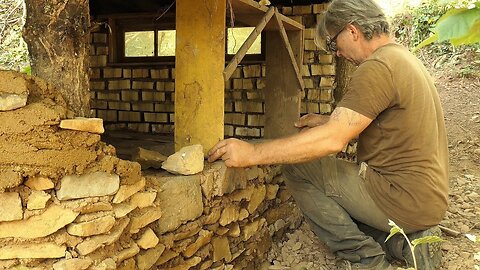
332 42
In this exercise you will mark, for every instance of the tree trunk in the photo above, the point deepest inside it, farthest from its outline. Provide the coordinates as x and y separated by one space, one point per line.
343 71
57 35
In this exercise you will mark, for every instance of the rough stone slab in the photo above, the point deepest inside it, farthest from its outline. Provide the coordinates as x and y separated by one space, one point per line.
221 249
13 82
72 264
187 264
127 253
92 125
37 200
257 198
145 260
189 160
204 238
107 264
95 242
143 199
126 191
88 185
93 227
250 229
10 102
148 239
180 198
50 221
148 216
32 251
9 178
39 183
229 214
217 179
10 206
271 192
95 207
149 158
123 209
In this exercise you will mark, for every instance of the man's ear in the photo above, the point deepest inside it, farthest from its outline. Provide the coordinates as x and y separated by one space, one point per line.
354 31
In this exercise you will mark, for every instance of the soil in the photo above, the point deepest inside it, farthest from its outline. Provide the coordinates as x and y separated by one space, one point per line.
460 96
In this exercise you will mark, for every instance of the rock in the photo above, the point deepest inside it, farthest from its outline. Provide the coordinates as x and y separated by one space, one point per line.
39 183
88 185
123 209
92 125
107 264
148 239
10 102
126 191
93 227
72 264
149 158
221 249
32 251
37 200
9 178
187 264
147 216
257 198
143 199
229 214
204 238
93 243
145 260
10 206
50 221
217 179
180 198
127 253
250 229
189 160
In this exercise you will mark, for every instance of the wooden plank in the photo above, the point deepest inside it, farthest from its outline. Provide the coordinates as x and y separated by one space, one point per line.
291 56
232 65
282 92
250 12
199 63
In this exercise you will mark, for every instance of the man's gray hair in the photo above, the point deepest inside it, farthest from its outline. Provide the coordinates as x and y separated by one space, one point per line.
365 14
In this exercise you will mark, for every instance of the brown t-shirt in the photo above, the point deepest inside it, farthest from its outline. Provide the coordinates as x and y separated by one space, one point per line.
405 146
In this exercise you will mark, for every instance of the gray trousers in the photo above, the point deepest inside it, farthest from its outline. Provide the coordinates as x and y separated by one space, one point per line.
335 201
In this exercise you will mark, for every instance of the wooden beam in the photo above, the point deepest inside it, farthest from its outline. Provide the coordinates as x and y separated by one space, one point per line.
232 65
291 56
199 63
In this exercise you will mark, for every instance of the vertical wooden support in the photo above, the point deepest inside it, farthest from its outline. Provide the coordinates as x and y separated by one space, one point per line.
283 93
199 64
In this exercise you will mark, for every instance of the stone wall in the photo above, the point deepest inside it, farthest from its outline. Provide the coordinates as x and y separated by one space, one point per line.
67 201
141 98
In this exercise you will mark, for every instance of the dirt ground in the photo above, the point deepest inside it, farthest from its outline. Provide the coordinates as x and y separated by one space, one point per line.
300 249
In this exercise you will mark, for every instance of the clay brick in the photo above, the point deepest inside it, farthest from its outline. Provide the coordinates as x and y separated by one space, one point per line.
99 104
326 95
127 73
303 107
156 117
237 73
313 107
159 96
306 71
111 116
309 33
308 57
247 132
173 73
328 70
160 86
129 116
172 117
169 86
112 73
139 127
118 84
325 58
252 71
101 50
255 120
316 70
237 83
261 83
114 105
235 118
108 96
228 84
325 108
309 45
238 106
319 8
143 85
143 107
309 20
228 107
308 83
163 129
94 73
160 73
327 81
287 10
313 95
236 95
302 10
129 95
140 73
264 70
97 85
98 61
252 106
165 107
297 19
228 130
255 95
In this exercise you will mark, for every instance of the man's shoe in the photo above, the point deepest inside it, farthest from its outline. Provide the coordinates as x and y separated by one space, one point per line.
428 256
377 263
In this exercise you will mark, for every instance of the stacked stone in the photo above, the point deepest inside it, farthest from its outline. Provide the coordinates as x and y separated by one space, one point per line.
67 202
142 99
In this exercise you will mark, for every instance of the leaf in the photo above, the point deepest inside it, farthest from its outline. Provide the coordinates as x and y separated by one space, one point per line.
426 42
456 23
473 36
394 230
471 237
426 240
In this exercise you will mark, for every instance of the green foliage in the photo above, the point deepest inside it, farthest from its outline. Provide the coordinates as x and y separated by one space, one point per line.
13 50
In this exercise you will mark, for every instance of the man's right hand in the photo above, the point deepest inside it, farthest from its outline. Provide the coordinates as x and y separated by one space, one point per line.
311 120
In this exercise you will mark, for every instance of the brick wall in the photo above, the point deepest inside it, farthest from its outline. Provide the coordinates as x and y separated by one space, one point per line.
142 98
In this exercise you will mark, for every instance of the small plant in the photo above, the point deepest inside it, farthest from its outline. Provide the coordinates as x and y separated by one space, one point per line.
412 244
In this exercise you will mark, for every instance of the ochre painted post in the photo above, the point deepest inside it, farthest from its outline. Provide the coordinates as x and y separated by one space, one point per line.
199 64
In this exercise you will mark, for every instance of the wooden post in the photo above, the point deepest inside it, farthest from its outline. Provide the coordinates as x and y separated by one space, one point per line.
199 64
283 92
